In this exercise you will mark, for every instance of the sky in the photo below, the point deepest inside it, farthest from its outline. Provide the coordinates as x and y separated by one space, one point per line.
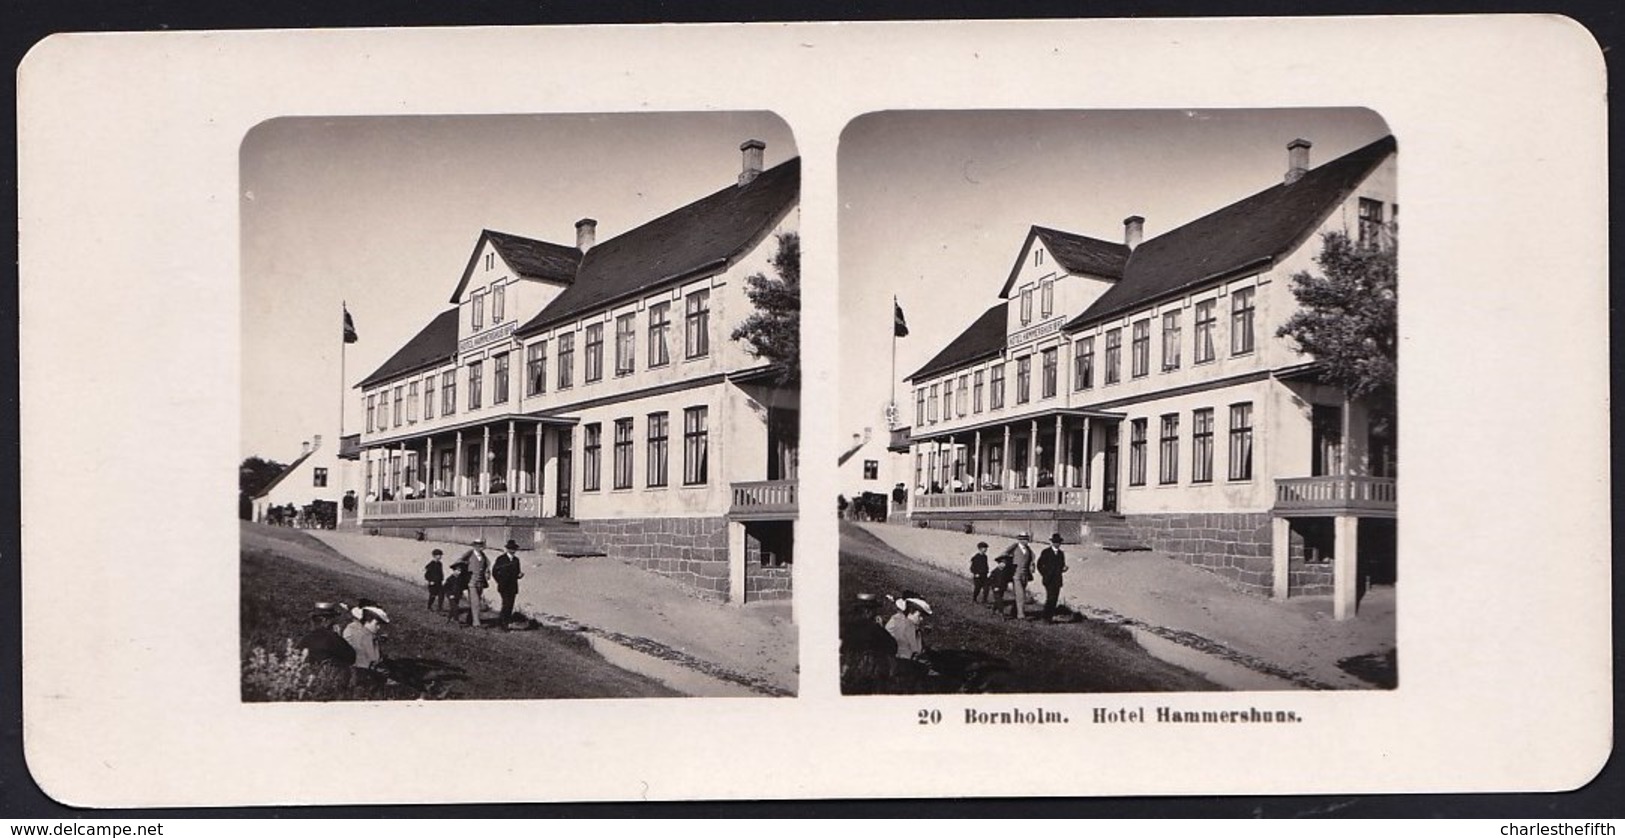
935 205
381 214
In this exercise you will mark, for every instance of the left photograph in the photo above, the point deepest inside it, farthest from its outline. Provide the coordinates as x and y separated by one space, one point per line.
520 407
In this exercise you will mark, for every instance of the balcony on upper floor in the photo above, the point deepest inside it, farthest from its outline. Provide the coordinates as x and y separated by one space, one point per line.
1336 494
763 500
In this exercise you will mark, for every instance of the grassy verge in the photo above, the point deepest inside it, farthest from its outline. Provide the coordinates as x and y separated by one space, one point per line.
283 572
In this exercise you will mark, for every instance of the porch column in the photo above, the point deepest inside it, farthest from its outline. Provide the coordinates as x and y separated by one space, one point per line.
427 478
1281 554
1004 466
512 478
736 563
485 460
936 465
917 473
1032 455
400 472
1055 473
1083 465
361 500
976 483
1345 547
535 476
457 468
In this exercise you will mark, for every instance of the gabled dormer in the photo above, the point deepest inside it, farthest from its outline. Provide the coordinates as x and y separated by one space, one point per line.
1057 275
509 279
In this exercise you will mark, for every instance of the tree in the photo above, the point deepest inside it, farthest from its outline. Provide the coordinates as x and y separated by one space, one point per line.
773 331
1348 319
255 474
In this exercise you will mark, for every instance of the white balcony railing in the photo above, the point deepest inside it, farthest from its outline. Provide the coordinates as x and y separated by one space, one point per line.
1048 497
511 504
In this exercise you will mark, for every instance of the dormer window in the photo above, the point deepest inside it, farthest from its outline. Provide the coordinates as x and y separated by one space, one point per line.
498 301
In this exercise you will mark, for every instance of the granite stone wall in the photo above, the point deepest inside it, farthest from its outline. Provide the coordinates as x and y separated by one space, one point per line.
1235 545
767 576
693 551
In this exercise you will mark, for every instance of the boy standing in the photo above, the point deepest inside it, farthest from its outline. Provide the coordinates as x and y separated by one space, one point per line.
435 574
978 573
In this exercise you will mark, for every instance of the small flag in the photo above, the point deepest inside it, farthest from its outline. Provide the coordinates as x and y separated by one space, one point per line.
899 325
349 327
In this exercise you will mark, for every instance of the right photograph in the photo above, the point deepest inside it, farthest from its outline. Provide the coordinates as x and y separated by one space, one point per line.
1138 428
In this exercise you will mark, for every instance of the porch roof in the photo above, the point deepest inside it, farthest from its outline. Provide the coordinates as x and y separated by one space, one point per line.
1048 415
420 433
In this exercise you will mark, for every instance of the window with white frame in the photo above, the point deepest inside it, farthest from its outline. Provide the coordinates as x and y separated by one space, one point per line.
623 453
948 399
1024 379
1241 441
592 445
567 358
659 333
1051 371
1083 364
1168 452
695 446
658 433
412 403
1136 452
976 401
932 402
1206 321
372 413
1202 445
448 392
1142 348
594 353
625 344
963 407
1170 340
1046 298
477 311
995 398
1114 355
1241 321
428 396
697 324
536 368
1026 305
476 385
499 385
499 295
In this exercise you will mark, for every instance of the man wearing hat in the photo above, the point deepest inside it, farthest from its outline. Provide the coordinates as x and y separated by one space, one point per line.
323 645
1021 554
478 567
978 573
507 574
1051 565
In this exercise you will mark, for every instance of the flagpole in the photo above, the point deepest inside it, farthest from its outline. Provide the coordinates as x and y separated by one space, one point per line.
344 344
893 411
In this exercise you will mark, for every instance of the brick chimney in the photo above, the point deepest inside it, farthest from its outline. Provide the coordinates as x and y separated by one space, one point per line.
586 234
304 448
1297 159
752 160
1133 231
316 442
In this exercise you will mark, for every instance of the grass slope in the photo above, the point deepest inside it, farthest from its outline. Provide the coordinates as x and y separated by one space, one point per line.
284 571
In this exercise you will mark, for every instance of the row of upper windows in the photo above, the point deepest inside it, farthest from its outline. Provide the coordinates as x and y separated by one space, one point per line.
696 451
497 294
966 398
1240 448
403 408
1046 299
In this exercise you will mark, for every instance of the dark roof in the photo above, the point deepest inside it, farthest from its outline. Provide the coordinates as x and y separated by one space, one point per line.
437 342
1077 253
533 258
530 258
983 338
285 472
703 235
1248 233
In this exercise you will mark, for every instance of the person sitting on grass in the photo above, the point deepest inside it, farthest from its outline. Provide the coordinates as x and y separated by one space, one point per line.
323 645
362 636
911 664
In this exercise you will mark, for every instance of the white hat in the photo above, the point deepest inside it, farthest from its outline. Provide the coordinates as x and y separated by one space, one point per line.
371 611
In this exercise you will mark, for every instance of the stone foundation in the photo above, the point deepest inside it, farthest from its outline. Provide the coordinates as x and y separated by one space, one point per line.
693 551
1234 545
496 532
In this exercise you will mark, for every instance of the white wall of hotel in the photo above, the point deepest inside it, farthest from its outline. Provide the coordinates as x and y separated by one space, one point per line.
1181 516
722 380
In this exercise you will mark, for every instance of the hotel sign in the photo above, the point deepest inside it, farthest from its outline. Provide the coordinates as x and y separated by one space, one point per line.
487 337
1032 333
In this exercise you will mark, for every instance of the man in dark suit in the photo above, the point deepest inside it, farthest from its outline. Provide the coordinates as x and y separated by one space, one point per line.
1051 566
507 574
